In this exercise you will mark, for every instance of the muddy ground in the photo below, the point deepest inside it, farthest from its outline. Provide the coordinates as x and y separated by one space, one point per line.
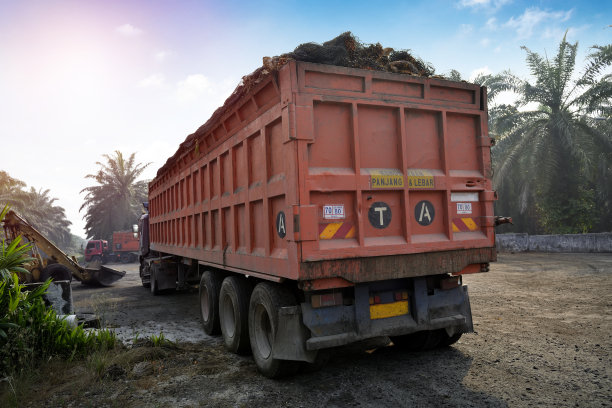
543 337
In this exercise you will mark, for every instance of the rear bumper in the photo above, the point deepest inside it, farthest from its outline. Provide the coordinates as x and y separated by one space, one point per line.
339 325
379 268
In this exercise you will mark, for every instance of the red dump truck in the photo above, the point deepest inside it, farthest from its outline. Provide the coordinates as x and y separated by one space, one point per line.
328 205
124 248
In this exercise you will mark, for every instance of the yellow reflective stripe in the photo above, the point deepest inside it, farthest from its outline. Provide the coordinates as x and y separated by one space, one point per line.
470 224
330 230
382 311
455 229
351 233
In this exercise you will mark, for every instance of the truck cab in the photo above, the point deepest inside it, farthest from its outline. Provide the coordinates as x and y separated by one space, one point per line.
96 249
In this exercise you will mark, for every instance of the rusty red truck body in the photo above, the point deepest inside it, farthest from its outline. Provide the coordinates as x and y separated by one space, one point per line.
328 205
124 248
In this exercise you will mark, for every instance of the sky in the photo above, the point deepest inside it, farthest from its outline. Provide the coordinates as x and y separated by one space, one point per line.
83 78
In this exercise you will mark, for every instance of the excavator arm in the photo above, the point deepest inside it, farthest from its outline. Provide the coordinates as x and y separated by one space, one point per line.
14 226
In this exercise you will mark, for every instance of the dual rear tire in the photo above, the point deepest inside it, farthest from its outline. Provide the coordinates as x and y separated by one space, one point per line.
425 340
247 318
234 314
266 301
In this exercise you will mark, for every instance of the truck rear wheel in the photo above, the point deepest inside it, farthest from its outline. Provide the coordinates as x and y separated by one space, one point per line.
419 341
210 285
234 314
266 300
446 340
57 272
144 277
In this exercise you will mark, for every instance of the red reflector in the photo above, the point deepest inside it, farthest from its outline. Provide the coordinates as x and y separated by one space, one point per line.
376 299
326 299
449 283
400 296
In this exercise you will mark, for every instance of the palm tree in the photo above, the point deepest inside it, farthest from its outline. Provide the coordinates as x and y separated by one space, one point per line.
48 218
114 204
547 157
11 190
38 208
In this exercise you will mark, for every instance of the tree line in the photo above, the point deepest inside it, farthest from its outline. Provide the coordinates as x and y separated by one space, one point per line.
553 156
114 203
552 159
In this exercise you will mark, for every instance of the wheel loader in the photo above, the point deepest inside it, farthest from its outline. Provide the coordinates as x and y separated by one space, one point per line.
50 262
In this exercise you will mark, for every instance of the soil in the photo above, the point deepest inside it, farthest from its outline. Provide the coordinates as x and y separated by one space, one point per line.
543 337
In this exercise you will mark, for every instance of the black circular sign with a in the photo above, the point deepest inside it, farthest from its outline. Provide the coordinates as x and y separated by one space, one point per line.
281 224
380 215
424 212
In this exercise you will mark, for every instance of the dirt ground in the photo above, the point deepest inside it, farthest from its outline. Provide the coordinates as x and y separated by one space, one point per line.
543 337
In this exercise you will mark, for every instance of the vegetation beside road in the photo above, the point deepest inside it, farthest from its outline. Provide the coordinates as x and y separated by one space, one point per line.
553 157
30 331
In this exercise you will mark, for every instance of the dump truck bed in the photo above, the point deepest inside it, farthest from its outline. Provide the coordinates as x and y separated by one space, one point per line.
325 172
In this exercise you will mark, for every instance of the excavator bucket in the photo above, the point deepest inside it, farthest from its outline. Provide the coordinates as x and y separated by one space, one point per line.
94 274
98 275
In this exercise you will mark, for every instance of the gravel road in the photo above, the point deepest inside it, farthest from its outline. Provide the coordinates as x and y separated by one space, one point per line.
543 337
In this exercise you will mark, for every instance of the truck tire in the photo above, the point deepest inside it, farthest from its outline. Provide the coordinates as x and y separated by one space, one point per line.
446 340
210 284
419 341
266 300
57 272
234 314
146 283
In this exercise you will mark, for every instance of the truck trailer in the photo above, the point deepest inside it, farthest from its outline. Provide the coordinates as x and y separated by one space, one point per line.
326 205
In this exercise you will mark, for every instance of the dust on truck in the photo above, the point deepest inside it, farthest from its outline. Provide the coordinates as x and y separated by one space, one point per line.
327 205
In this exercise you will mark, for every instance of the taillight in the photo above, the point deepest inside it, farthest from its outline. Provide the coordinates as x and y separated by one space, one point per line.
326 299
450 282
403 295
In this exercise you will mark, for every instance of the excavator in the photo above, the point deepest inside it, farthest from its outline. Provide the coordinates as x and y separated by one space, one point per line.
50 262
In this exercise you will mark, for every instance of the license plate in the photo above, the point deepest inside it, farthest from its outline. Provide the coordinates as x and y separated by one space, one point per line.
385 310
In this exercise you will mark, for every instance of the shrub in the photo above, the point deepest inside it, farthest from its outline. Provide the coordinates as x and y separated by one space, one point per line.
30 331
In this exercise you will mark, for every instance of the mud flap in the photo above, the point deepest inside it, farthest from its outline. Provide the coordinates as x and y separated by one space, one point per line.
291 336
166 274
467 312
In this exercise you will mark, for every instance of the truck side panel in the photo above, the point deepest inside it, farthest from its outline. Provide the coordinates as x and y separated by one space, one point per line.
220 202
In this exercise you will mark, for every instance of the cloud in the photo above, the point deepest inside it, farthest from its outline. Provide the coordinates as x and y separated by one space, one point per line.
490 6
492 24
466 28
162 55
192 87
128 30
480 71
152 81
485 42
526 23
557 32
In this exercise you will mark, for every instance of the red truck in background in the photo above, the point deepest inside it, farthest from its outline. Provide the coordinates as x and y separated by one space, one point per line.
124 248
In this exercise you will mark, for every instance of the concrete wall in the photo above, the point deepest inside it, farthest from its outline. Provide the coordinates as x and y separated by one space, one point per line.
554 243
